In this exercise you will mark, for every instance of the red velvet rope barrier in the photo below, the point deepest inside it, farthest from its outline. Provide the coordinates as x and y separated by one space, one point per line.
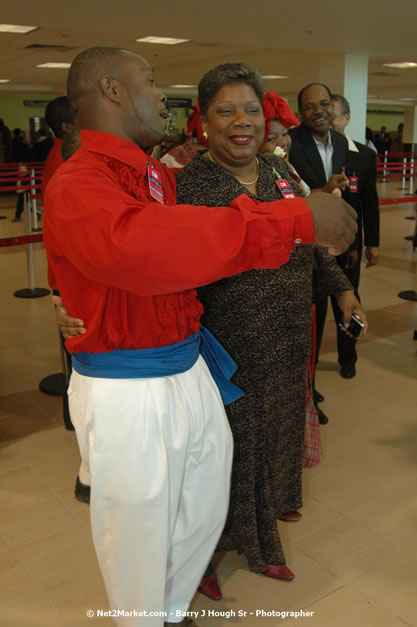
396 168
20 239
395 201
397 176
22 188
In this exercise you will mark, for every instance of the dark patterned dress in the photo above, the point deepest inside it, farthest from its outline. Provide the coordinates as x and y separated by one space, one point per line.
263 318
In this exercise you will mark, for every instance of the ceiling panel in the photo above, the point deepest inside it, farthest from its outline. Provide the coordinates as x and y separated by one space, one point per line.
275 37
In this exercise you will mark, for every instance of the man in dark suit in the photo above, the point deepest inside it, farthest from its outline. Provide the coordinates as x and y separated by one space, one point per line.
318 153
321 157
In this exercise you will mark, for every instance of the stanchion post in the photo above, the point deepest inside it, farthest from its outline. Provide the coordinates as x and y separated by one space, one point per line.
385 165
404 172
29 252
411 175
33 203
31 291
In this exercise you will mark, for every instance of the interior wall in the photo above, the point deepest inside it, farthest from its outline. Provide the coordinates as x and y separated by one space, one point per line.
384 115
16 115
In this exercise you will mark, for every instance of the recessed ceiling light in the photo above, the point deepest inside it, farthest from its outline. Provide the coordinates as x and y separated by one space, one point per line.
4 80
16 28
183 86
402 66
170 41
55 65
272 76
372 96
406 98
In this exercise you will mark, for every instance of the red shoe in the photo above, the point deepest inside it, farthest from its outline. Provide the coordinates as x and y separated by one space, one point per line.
278 572
290 517
210 587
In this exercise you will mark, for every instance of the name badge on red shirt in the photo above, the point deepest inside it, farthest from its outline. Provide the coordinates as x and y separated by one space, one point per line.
285 188
155 184
354 181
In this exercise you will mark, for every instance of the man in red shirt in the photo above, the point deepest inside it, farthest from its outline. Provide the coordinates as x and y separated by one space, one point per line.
148 414
61 120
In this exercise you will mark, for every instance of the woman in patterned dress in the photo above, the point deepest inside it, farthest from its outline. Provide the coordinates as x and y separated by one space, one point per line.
262 317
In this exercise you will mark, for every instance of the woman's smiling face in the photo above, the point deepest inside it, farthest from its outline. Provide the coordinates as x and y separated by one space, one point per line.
234 124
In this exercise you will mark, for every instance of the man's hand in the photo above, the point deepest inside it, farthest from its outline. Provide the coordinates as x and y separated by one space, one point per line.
349 305
352 259
334 221
336 181
371 254
68 327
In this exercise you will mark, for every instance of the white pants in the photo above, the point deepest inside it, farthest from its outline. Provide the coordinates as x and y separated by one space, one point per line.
159 452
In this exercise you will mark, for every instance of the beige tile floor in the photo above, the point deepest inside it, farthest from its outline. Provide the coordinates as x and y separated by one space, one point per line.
354 552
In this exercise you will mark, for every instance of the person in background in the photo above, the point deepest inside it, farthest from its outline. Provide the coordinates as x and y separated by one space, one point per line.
23 173
6 141
278 119
179 156
369 139
21 150
321 157
396 138
61 120
42 145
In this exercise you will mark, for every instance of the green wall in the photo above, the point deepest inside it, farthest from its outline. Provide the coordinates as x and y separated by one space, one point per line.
384 115
16 115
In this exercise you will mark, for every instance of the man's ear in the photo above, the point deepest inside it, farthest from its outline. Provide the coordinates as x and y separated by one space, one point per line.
110 88
68 127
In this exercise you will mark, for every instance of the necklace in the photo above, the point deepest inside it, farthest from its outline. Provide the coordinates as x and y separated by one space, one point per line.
246 183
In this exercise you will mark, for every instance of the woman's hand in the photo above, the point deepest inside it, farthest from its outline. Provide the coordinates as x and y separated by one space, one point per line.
68 327
349 305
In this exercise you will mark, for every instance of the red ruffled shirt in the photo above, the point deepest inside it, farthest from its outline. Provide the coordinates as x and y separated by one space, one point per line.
127 265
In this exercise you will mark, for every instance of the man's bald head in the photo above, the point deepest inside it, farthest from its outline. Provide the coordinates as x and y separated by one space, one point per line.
112 90
90 66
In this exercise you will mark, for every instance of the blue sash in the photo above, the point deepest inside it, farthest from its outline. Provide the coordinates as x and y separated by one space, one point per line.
148 363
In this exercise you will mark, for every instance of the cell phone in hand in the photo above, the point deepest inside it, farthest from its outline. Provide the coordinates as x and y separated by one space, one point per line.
355 327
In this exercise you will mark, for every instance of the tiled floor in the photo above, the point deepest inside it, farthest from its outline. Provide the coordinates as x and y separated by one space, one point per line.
354 552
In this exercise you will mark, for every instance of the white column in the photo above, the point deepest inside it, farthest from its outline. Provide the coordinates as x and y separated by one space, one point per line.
347 75
356 93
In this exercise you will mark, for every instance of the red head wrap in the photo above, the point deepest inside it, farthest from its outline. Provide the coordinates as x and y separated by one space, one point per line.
193 123
275 108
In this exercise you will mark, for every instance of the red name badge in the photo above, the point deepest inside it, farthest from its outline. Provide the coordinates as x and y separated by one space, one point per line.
155 184
354 181
285 188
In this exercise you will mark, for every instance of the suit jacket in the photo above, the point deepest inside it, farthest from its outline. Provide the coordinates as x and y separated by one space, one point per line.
363 165
305 157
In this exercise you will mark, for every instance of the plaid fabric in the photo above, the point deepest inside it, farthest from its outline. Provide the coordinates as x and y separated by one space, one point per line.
312 443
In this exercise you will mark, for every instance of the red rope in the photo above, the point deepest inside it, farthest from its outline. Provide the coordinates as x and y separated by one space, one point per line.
21 239
395 201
